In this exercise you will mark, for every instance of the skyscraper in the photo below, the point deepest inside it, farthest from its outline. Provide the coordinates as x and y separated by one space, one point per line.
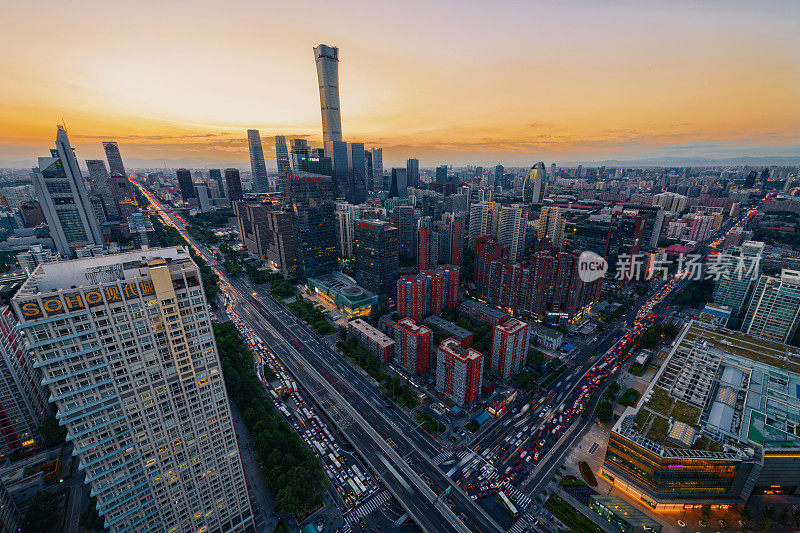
216 175
499 171
234 184
61 190
300 150
376 257
399 186
327 58
284 165
510 343
774 310
338 152
314 224
185 183
482 220
511 230
98 175
377 169
459 372
412 343
551 226
535 185
258 167
357 168
346 216
114 158
127 352
266 232
23 401
412 172
742 267
625 237
406 226
441 175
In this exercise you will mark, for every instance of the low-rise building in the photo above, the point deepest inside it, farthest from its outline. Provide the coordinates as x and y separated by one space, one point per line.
444 329
483 313
546 337
341 291
372 338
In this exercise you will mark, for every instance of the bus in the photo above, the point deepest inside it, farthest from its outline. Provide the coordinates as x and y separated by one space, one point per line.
508 504
335 461
354 487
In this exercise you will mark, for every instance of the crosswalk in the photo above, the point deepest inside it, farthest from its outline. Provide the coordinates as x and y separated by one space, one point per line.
367 507
520 525
442 457
521 498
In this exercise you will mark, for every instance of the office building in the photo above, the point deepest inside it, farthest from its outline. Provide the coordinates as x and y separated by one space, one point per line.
185 183
258 167
314 224
412 344
127 353
670 201
61 191
740 269
327 59
510 344
534 188
98 176
592 234
357 170
216 175
233 183
406 227
300 150
459 372
412 172
372 338
338 153
284 164
774 309
114 158
203 199
377 169
511 230
428 292
441 175
551 226
714 427
625 236
32 214
654 221
376 246
23 401
266 232
399 185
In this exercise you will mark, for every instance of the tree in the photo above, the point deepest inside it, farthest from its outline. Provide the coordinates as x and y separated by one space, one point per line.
90 519
604 411
44 511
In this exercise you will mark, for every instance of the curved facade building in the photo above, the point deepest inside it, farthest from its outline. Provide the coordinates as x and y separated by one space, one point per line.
534 186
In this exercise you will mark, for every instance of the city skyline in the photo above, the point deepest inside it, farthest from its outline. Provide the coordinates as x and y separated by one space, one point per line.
608 83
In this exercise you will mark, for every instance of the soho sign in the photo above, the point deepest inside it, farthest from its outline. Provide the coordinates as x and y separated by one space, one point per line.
77 301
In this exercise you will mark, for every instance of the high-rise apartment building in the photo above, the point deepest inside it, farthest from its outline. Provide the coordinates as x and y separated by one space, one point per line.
482 220
346 216
233 182
428 292
774 310
459 372
412 343
740 269
510 343
127 352
551 225
487 249
61 191
23 402
534 187
10 517
284 164
375 253
452 248
412 172
428 241
258 167
511 230
267 233
314 224
327 58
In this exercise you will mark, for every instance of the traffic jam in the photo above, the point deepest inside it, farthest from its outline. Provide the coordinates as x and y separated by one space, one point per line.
523 440
351 482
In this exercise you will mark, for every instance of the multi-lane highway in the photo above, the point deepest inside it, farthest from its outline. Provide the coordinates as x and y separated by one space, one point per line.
391 443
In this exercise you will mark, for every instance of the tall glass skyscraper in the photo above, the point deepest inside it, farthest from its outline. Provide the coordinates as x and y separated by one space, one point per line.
257 165
61 191
115 165
282 159
314 224
126 349
377 169
774 311
98 175
234 184
327 58
412 172
535 184
357 164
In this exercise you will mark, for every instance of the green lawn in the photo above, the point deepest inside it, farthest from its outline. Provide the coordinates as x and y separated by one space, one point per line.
630 397
571 517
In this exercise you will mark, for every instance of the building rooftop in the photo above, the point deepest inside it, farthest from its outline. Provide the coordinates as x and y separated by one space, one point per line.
89 271
374 334
410 325
484 309
447 326
540 329
512 326
464 354
719 391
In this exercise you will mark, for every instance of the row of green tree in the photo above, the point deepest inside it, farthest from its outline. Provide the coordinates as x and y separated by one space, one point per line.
312 315
291 470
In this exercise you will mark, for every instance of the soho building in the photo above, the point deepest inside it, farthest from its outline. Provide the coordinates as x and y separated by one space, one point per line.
719 423
126 349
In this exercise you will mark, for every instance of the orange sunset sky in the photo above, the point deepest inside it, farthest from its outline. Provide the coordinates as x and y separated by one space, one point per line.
445 81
